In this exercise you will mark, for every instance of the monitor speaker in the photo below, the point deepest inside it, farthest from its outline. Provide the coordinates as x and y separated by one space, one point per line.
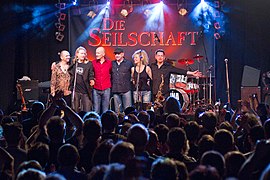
250 77
29 89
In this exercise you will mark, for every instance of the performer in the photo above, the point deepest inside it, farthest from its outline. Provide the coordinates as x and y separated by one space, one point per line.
141 76
163 69
102 88
121 76
60 78
82 80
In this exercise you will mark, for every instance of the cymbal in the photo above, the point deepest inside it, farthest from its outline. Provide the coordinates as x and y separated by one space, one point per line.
197 57
186 61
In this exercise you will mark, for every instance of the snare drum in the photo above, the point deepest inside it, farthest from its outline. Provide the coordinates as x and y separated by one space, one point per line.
178 81
191 88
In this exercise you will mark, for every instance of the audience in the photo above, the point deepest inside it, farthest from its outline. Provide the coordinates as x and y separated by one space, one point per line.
137 144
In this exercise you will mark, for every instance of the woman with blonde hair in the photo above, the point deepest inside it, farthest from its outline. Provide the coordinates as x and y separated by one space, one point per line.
141 76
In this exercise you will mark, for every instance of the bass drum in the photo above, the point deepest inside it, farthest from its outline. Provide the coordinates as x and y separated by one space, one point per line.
181 96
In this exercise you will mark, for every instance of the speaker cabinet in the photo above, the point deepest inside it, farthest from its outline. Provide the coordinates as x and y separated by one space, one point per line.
29 89
251 77
246 92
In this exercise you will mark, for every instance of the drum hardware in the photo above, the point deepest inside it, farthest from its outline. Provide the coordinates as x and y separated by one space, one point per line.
198 57
186 61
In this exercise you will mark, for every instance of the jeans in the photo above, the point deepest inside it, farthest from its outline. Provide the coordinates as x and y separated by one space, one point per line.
122 101
82 102
144 96
101 99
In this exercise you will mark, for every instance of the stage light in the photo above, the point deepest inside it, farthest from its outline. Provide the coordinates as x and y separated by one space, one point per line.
108 3
182 8
182 11
202 1
59 36
91 14
60 6
217 36
124 12
147 12
75 2
161 2
217 25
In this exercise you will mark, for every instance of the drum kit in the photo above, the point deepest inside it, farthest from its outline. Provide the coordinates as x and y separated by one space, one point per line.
190 91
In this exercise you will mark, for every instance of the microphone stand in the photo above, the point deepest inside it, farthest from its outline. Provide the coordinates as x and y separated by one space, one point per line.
137 82
74 84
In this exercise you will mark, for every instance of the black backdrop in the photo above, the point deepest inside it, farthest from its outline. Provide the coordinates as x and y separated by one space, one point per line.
245 42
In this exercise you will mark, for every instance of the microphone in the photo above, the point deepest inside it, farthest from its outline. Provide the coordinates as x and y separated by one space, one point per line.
157 38
226 60
210 67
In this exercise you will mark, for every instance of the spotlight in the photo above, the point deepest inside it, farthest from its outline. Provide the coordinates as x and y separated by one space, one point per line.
108 3
182 11
60 6
74 2
124 12
91 14
217 25
147 12
59 36
217 36
161 2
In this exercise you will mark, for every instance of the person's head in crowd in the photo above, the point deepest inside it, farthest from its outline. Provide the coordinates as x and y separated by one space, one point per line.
109 121
192 130
91 116
251 119
172 120
164 168
13 133
55 176
124 128
203 172
152 118
224 141
102 152
215 159
121 152
256 133
206 143
144 118
226 125
153 143
115 171
132 118
39 152
177 141
56 129
29 164
121 118
266 173
135 167
162 131
209 122
37 108
198 112
6 120
130 110
68 156
266 127
32 174
172 105
91 130
138 135
182 170
97 172
233 162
